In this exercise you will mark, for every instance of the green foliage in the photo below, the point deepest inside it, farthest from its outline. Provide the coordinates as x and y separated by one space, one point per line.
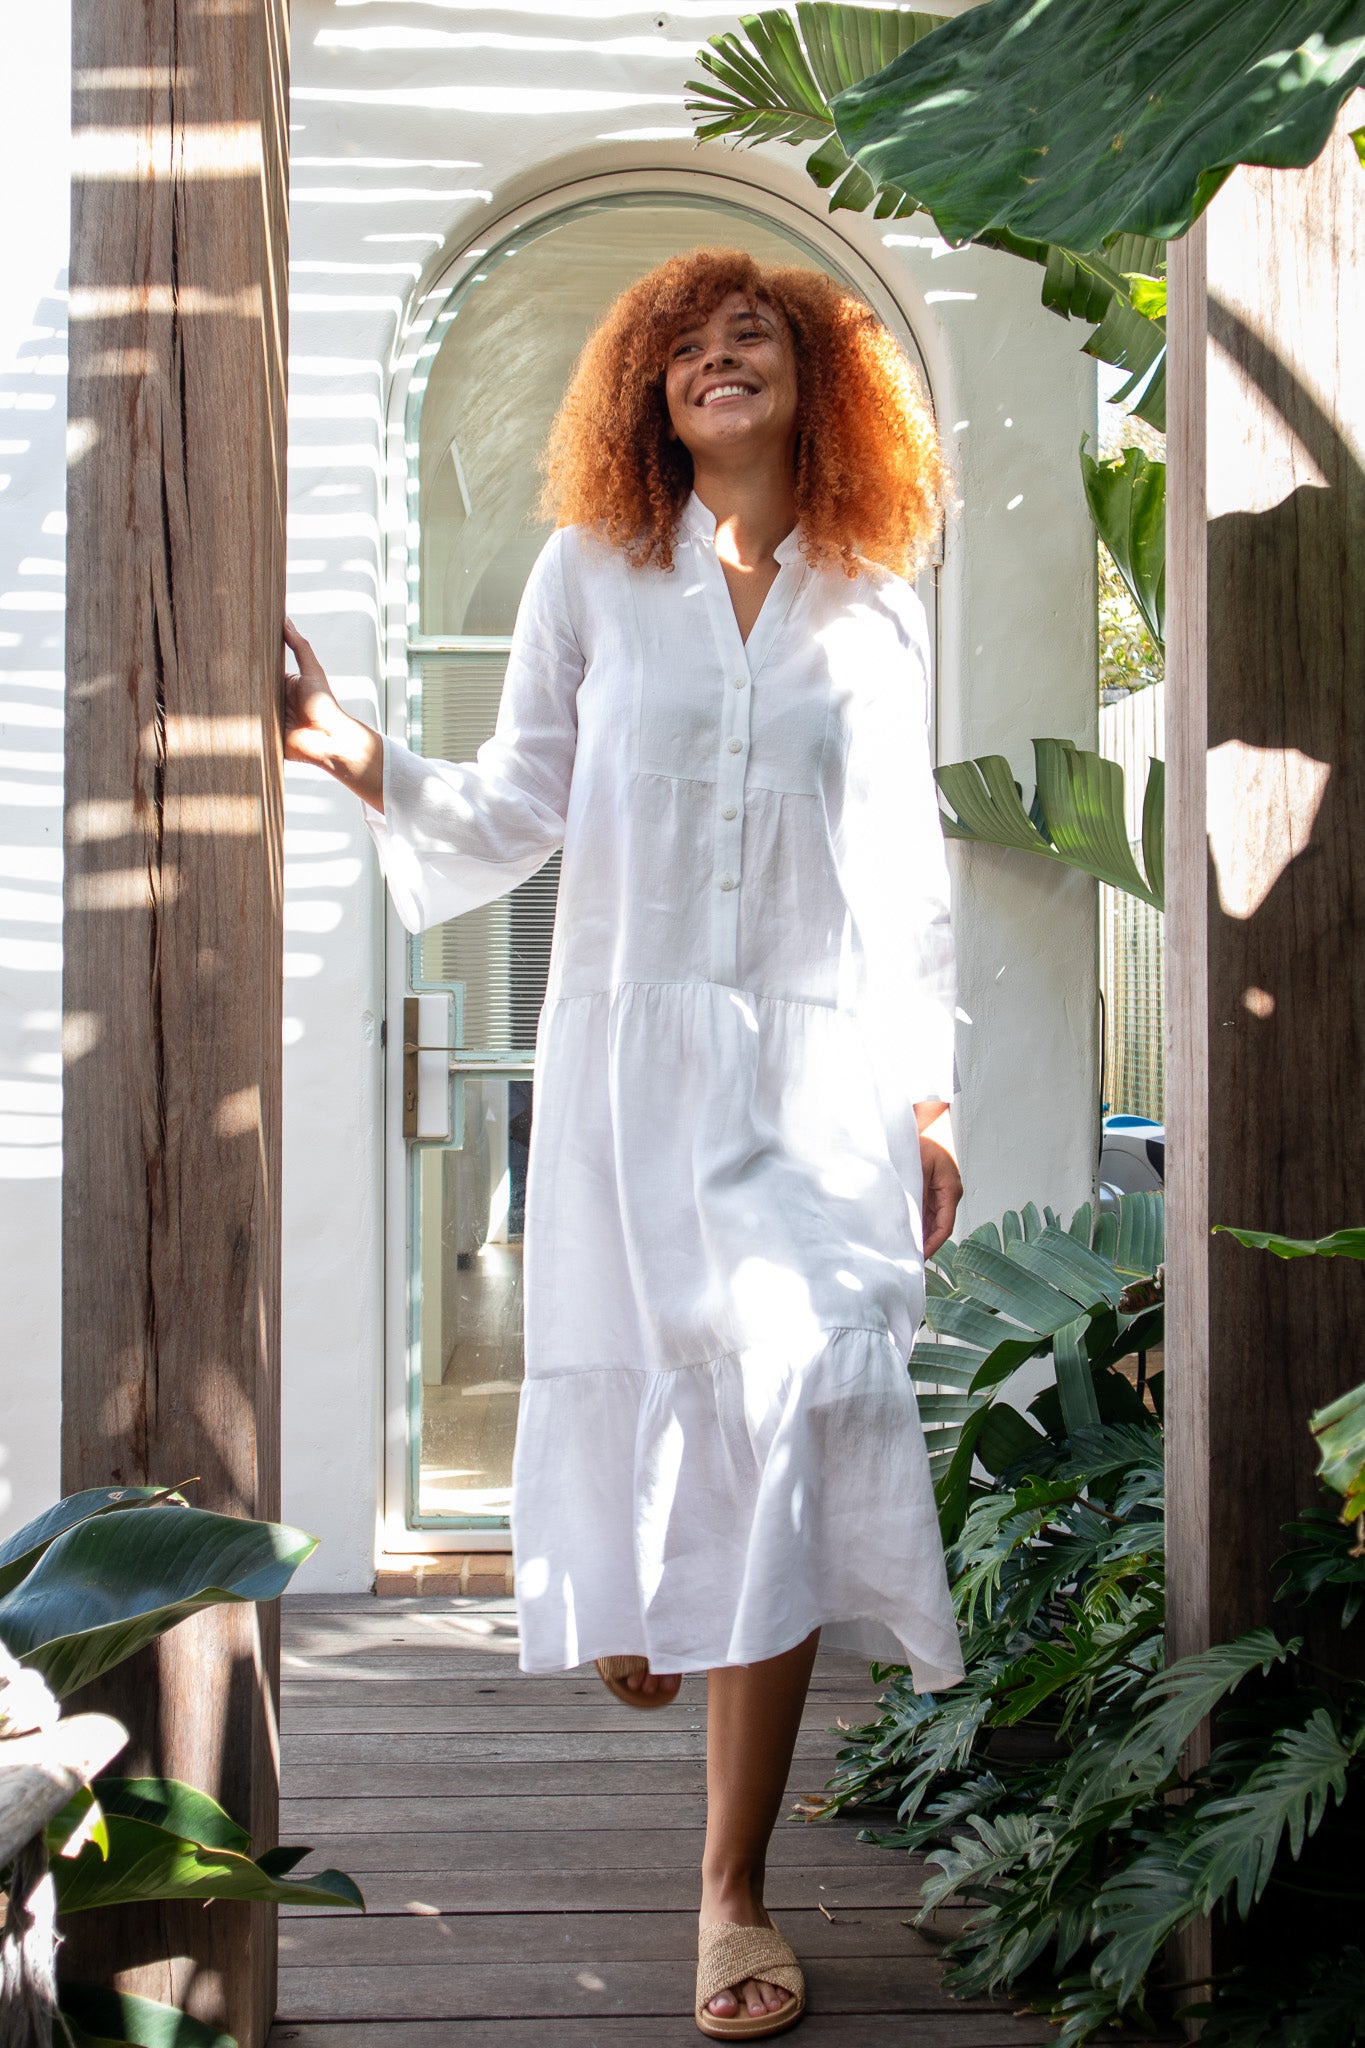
1077 816
110 1585
22 1550
1129 657
116 2019
1341 1244
1060 121
167 1841
775 83
1127 500
1027 1289
1039 1790
85 1585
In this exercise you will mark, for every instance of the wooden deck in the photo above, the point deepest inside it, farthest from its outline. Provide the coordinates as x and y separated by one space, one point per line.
528 1850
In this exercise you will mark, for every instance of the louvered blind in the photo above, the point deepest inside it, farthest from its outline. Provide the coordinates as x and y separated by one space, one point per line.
496 957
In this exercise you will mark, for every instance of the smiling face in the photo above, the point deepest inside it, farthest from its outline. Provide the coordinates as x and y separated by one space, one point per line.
730 383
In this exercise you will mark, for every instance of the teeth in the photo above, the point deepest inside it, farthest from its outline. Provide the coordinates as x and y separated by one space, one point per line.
728 391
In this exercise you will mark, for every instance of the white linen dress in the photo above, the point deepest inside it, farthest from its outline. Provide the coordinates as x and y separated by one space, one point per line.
751 982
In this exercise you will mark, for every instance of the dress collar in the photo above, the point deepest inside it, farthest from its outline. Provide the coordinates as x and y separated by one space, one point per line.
700 521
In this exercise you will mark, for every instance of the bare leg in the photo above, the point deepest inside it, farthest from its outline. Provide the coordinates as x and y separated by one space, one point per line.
753 1714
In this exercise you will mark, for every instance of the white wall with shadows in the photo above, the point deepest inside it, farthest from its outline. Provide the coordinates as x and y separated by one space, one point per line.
415 125
35 79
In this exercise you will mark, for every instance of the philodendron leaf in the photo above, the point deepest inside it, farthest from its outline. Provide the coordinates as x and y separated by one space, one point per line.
168 1841
1067 122
116 2019
1127 500
21 1551
106 1588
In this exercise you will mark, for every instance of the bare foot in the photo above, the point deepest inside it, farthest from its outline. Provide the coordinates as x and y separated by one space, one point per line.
664 1682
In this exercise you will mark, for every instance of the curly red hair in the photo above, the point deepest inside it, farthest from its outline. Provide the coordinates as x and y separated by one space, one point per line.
870 479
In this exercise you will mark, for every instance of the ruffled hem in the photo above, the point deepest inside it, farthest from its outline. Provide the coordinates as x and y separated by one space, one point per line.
716 1514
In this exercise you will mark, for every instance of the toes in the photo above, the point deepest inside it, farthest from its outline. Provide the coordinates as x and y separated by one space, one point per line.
724 2005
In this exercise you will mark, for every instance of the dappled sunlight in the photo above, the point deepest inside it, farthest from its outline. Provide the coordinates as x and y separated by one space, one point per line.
1262 806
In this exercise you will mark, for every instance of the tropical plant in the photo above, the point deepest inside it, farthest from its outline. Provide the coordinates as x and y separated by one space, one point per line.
1089 1296
1077 817
1044 1787
1082 138
82 1587
1127 501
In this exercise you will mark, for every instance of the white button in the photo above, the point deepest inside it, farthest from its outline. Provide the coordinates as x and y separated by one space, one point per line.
729 812
740 682
736 746
727 881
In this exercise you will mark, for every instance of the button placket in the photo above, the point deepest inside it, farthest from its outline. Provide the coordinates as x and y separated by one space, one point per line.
729 825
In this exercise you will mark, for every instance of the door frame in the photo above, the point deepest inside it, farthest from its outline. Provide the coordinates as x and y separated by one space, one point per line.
539 214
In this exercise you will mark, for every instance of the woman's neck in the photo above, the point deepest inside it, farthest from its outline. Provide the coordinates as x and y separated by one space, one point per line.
754 510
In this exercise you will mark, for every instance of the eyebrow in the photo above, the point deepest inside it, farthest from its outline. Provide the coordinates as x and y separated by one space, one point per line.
753 313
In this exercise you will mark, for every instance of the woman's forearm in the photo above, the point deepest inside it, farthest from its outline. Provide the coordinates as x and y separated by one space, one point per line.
354 754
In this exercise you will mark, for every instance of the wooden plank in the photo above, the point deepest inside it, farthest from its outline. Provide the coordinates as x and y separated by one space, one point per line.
175 551
595 1983
325 1688
458 1940
969 2029
637 1776
452 1749
600 1715
549 1849
872 1880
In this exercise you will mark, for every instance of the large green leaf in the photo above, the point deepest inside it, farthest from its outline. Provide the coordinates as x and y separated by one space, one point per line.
1171 1706
1342 1244
106 1588
1285 1797
1080 802
21 1552
116 2019
1008 1294
1144 1901
1068 122
1127 500
168 1841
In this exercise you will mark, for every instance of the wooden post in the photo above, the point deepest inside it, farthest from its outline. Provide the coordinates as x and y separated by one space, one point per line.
1265 932
170 1298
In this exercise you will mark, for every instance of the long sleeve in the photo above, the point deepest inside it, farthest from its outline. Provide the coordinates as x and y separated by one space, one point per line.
894 872
455 835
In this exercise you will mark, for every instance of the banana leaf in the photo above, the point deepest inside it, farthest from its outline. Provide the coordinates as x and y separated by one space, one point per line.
1067 122
116 2019
1342 1244
1079 804
105 1588
168 1841
20 1552
1340 1431
1127 500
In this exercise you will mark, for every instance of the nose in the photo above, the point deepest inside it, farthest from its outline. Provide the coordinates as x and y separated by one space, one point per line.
717 354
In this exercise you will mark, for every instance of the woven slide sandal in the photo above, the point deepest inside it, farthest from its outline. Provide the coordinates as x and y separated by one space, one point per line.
727 1956
614 1670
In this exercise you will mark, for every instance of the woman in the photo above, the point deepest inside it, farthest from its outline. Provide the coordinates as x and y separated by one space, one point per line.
716 701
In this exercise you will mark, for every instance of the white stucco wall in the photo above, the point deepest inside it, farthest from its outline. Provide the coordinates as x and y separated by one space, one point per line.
412 125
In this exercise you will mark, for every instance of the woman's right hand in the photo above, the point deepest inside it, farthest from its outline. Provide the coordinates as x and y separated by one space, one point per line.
317 730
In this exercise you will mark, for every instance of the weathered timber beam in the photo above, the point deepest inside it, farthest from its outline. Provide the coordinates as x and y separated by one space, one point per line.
170 1301
1265 928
